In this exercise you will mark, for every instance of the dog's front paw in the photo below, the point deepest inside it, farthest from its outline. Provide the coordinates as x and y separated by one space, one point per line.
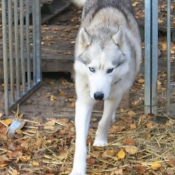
100 142
78 170
77 173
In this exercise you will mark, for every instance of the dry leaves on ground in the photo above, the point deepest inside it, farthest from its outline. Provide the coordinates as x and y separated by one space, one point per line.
47 147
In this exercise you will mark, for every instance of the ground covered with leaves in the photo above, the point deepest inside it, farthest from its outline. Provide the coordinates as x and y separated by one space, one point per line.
138 144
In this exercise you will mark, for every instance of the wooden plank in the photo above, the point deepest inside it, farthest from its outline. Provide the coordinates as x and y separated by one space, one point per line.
50 10
57 48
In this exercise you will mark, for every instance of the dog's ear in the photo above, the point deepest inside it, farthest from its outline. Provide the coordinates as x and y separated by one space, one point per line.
85 38
118 38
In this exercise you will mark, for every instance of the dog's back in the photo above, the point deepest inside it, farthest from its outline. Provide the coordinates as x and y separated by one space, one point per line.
96 5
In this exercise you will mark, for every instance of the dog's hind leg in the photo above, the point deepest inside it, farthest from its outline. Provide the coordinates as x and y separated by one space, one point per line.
104 124
82 119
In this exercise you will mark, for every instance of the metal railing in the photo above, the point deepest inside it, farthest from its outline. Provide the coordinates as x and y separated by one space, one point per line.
21 50
168 55
151 56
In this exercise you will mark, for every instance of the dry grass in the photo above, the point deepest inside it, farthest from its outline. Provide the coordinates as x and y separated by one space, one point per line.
47 147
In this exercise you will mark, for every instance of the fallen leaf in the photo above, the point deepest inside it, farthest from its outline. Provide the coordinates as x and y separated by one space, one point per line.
51 82
170 171
53 98
3 136
133 126
11 147
3 165
15 172
141 169
62 93
158 83
169 123
117 172
171 162
134 103
62 155
149 125
163 46
131 113
62 131
3 129
15 154
25 158
129 141
91 161
105 155
108 153
34 163
25 144
18 131
121 154
115 129
67 29
135 3
141 81
72 105
64 83
156 165
50 123
7 121
131 149
111 152
63 120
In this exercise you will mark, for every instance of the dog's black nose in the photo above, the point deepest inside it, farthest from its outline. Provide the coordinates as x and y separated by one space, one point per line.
98 96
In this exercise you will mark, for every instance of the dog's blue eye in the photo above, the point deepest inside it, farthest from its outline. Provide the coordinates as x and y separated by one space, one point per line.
110 70
92 69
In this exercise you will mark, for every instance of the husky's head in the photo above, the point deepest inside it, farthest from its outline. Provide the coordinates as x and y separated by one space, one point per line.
102 59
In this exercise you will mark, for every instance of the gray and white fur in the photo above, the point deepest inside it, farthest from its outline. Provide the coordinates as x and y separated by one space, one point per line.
107 60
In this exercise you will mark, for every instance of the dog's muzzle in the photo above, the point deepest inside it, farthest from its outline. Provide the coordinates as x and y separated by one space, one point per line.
98 96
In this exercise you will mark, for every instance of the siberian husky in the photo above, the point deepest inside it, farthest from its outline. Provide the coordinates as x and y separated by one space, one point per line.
107 60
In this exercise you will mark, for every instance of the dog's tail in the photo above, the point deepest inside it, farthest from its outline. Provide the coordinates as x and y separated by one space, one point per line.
79 3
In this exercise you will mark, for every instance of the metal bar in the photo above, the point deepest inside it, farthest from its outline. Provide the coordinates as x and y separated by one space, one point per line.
38 40
17 96
34 40
168 56
5 58
151 56
147 71
28 46
154 58
11 50
22 45
16 49
26 95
